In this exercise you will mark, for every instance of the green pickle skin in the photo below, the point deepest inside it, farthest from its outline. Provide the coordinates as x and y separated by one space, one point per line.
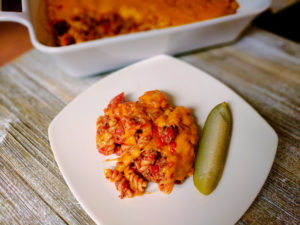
213 147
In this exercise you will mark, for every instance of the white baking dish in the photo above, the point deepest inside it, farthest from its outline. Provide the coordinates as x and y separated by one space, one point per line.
105 54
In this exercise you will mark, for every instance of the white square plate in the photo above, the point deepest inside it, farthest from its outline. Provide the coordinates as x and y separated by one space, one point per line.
251 153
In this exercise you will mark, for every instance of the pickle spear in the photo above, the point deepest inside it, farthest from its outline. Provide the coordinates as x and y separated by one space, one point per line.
213 148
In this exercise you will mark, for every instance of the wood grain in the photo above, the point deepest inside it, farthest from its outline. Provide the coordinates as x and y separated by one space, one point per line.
263 68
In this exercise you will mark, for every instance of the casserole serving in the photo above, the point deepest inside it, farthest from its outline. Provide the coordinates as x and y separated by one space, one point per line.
155 142
110 53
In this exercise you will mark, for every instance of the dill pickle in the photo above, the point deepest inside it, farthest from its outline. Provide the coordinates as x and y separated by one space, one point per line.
213 148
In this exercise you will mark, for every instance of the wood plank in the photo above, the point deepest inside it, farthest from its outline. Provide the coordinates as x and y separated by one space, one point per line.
20 203
51 189
38 147
26 105
263 212
283 46
283 190
33 107
47 73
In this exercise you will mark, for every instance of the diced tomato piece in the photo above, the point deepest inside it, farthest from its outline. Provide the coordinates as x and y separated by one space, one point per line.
155 131
173 147
133 124
144 125
152 157
118 150
155 169
105 150
165 136
156 136
118 140
116 100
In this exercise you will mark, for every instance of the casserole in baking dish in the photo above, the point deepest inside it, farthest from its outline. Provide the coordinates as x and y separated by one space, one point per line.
100 55
75 21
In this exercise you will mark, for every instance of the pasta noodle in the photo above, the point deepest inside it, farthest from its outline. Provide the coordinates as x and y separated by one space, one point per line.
122 185
136 182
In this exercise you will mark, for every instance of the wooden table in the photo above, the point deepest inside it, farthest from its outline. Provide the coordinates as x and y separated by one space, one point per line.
263 68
